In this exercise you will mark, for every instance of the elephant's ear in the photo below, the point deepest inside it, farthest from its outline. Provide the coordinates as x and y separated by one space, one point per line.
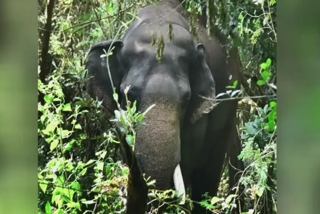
102 57
202 86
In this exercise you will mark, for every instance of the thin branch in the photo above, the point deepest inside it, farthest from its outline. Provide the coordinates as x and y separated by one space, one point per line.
239 98
90 22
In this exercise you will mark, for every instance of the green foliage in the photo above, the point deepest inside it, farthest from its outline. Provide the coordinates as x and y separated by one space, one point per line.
265 72
127 120
218 204
80 170
251 26
259 155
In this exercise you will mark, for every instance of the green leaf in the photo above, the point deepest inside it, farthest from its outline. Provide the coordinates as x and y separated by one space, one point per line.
58 211
68 146
88 202
51 127
74 205
110 9
52 162
99 103
76 185
240 17
100 165
80 165
260 191
67 107
206 205
122 120
83 172
49 139
69 193
57 99
58 200
150 183
251 129
235 83
265 74
140 118
272 2
77 126
134 108
268 62
103 154
115 97
108 170
66 133
89 162
215 200
48 208
273 104
60 181
48 98
43 186
271 126
260 82
229 198
263 66
54 144
40 176
129 140
124 171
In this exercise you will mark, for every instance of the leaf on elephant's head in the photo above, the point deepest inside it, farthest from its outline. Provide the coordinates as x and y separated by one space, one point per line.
153 39
160 47
170 32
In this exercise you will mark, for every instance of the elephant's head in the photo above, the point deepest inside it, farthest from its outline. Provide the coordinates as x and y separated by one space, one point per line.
176 85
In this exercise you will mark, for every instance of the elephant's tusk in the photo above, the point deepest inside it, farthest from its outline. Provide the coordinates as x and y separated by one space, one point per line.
178 184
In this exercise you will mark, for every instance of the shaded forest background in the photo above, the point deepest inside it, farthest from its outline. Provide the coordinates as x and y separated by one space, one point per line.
79 166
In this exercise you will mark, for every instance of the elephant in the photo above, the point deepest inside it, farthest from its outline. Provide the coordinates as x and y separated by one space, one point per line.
186 132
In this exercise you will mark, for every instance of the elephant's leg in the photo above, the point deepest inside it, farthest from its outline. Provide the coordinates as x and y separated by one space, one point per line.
206 178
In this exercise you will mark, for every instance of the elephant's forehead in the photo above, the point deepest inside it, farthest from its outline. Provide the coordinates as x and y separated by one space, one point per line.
152 37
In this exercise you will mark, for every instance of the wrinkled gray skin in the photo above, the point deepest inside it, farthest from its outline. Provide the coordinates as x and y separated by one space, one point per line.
177 129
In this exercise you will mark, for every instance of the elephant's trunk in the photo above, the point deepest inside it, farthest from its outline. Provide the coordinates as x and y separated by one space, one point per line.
158 143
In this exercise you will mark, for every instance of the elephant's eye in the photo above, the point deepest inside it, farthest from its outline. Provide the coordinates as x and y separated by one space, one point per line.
187 95
186 98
